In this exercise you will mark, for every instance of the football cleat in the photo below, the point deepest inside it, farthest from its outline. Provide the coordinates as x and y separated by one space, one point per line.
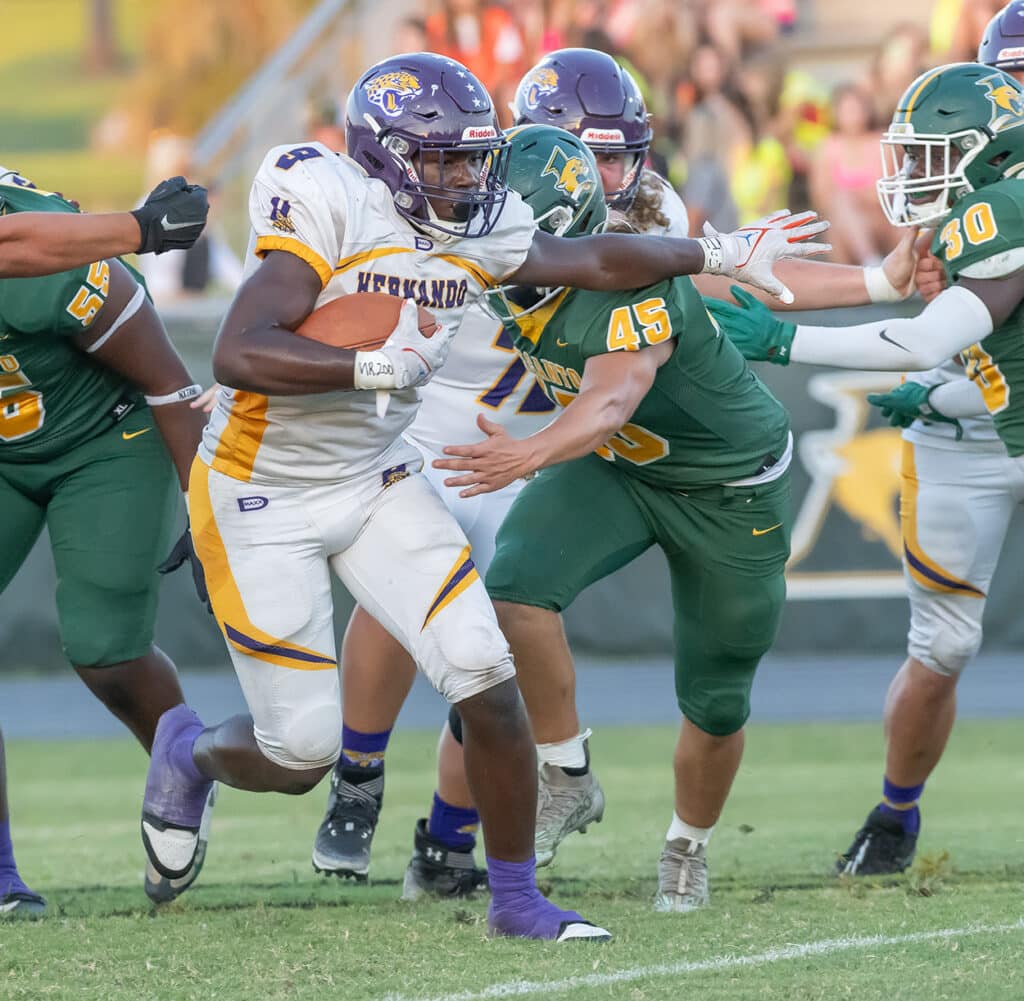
565 803
22 904
162 890
439 871
682 877
173 804
345 836
880 848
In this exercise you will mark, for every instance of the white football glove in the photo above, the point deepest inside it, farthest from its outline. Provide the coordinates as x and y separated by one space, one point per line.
749 253
404 360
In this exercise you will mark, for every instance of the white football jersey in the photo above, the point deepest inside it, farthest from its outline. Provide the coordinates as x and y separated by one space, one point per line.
483 374
672 208
324 208
979 430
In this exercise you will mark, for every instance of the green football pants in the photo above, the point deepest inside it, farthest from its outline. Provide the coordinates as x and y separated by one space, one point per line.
109 506
726 548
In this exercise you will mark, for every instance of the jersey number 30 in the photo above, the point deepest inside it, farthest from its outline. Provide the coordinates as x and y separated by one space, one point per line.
979 227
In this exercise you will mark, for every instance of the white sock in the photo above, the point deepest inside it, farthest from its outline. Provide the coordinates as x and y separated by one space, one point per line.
680 829
566 753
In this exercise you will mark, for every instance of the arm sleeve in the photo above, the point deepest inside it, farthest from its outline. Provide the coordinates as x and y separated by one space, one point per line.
959 398
952 321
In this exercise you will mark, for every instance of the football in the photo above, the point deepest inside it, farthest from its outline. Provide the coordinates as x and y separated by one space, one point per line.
360 320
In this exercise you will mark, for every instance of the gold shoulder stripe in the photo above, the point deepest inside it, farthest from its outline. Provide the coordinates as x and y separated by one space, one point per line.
481 277
265 244
364 256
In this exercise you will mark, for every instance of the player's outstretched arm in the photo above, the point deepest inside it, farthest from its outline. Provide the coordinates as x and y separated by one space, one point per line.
824 285
613 386
958 317
624 261
44 243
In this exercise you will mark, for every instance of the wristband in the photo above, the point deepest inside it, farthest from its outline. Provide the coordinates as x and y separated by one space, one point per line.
373 370
712 248
880 289
178 396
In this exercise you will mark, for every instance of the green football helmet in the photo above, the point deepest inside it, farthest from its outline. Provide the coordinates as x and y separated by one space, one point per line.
556 174
956 129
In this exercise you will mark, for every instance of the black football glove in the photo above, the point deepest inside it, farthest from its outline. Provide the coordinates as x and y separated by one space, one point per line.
184 550
172 217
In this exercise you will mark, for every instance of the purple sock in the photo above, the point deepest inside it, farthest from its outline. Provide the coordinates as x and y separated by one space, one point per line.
180 754
10 881
363 750
518 909
900 803
453 826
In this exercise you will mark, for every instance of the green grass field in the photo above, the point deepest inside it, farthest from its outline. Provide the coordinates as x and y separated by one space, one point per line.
261 925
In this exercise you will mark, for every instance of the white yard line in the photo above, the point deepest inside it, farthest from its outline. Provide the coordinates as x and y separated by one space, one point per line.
825 947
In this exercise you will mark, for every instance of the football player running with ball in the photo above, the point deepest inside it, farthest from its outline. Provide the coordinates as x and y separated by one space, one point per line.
593 97
300 475
955 149
94 422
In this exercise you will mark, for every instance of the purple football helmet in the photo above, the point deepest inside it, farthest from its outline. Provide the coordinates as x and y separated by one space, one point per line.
1002 45
419 106
588 93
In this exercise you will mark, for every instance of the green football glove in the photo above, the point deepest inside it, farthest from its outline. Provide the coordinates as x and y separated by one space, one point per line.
753 328
908 402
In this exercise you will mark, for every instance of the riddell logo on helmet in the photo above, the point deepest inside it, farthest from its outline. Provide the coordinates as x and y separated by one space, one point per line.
1016 52
480 132
602 136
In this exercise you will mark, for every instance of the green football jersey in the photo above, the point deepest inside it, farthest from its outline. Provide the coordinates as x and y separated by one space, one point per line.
984 238
707 419
53 396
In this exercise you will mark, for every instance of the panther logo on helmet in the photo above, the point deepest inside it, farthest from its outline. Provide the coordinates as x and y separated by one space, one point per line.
390 91
1007 104
574 177
541 82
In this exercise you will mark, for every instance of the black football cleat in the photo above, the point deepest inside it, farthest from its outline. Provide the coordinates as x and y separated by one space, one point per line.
439 871
343 841
881 848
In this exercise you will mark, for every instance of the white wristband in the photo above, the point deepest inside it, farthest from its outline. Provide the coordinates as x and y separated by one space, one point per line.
712 248
373 370
178 396
880 289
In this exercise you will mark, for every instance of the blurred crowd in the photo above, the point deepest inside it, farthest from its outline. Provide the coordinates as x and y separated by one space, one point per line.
738 129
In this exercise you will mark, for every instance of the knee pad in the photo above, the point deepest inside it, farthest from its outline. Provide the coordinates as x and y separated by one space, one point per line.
470 659
947 651
720 716
455 724
310 739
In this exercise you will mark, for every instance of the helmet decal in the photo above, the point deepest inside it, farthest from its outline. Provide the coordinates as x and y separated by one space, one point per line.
573 173
391 91
1007 103
539 82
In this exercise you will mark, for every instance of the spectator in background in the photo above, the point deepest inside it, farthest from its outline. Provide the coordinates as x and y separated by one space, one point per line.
966 23
715 131
486 40
183 274
543 24
761 173
661 39
325 123
843 182
900 60
410 35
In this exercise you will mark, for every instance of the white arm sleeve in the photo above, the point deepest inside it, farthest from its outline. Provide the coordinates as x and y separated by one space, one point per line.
959 398
952 321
